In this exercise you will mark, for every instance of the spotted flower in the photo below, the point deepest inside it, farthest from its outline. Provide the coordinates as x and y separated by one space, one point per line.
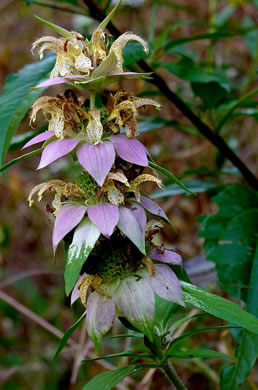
92 63
72 54
124 281
73 127
93 210
122 109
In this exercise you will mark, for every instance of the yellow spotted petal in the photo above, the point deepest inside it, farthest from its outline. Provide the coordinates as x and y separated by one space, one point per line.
139 102
119 176
94 128
120 43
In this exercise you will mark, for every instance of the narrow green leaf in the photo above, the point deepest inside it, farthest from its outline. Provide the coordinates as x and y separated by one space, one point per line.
165 33
199 353
18 159
233 108
194 332
170 176
188 70
197 186
211 36
133 335
157 123
233 376
68 334
219 307
16 99
105 22
133 52
120 354
60 30
107 380
180 322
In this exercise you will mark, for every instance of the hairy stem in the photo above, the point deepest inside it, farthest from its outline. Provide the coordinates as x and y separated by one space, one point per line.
172 375
159 82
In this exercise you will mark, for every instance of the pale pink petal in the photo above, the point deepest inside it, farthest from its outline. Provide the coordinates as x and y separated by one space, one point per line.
67 218
135 299
100 316
58 80
105 216
39 138
165 284
130 149
153 208
56 150
140 216
132 223
166 256
97 159
76 292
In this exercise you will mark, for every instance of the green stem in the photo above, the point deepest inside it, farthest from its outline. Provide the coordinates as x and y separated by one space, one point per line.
92 99
172 375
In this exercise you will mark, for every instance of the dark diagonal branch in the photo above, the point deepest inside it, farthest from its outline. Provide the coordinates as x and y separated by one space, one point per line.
158 81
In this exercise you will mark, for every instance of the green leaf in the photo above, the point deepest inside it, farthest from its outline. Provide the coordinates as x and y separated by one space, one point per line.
133 52
18 159
68 334
16 99
237 104
195 186
188 70
107 380
211 93
164 312
157 123
234 375
231 241
165 33
194 332
120 354
105 22
85 236
199 353
178 323
219 307
211 36
60 30
170 176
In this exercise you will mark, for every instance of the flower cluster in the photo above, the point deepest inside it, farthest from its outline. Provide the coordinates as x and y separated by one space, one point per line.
112 262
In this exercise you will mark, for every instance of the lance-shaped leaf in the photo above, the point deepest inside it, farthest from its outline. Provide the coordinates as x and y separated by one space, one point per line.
60 30
67 218
132 222
84 239
16 99
97 159
105 216
107 380
100 316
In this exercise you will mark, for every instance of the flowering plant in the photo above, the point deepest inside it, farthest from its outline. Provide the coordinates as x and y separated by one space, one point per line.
116 265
